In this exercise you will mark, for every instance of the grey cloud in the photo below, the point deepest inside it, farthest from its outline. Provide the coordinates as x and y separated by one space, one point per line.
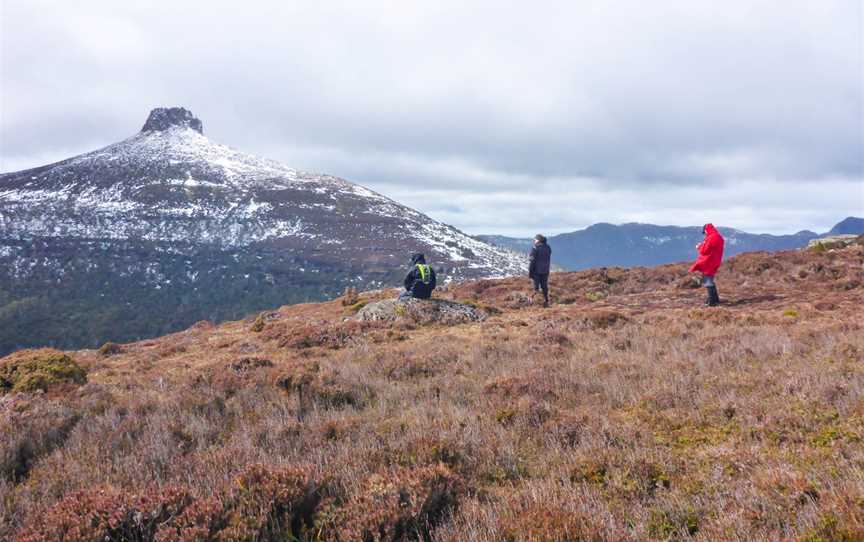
466 103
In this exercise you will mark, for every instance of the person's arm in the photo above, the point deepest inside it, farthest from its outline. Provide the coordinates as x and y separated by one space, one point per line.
432 280
703 249
409 279
532 261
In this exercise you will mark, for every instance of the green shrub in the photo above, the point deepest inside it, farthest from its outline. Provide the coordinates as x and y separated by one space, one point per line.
594 296
110 349
671 524
31 370
355 308
258 324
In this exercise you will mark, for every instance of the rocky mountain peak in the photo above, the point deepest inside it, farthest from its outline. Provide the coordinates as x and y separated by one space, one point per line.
163 118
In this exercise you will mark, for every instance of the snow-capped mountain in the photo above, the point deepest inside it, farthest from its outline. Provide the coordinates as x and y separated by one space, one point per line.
168 210
171 183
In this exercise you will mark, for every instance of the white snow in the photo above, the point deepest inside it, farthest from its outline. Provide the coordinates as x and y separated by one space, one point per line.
238 199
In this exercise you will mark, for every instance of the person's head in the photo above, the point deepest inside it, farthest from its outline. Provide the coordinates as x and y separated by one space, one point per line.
539 238
707 228
418 258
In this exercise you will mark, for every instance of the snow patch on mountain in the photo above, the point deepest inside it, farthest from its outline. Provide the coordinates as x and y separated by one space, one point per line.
170 183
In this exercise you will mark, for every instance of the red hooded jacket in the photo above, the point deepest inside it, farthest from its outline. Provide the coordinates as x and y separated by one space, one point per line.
710 252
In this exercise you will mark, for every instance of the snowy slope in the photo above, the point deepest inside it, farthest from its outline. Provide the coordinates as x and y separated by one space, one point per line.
170 183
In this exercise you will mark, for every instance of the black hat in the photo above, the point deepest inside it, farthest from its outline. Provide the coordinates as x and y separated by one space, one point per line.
418 258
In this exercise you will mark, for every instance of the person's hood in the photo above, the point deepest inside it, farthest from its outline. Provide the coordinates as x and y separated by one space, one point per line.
710 229
418 258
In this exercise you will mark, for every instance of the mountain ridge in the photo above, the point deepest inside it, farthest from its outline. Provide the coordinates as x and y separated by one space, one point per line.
640 244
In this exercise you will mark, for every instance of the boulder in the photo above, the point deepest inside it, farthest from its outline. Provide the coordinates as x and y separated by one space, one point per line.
424 311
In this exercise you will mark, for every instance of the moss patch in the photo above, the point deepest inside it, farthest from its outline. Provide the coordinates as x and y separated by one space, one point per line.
31 370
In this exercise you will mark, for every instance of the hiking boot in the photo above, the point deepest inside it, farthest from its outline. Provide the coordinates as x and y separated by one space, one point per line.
713 299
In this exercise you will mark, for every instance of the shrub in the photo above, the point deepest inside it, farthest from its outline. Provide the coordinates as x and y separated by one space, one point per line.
601 319
829 528
355 308
644 478
107 514
110 349
350 297
31 370
246 364
398 505
505 416
818 247
325 388
258 324
262 504
546 522
270 503
26 437
322 334
297 377
672 524
594 296
589 471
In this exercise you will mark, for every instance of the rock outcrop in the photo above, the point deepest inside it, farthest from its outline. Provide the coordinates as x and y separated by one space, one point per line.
165 118
832 242
439 311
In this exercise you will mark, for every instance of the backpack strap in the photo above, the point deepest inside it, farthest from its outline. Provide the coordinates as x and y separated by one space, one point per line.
424 273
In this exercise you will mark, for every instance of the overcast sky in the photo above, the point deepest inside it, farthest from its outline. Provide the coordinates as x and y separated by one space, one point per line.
496 117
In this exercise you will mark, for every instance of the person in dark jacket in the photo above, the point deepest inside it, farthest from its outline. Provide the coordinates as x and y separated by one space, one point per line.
710 255
420 281
540 263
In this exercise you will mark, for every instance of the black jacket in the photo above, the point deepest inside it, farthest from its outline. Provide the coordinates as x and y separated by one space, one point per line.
414 283
540 258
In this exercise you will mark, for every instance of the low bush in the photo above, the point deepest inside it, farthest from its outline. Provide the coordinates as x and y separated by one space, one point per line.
673 523
27 436
31 370
546 522
404 504
110 349
262 504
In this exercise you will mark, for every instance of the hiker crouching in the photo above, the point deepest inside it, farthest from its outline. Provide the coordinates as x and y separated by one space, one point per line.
420 281
710 255
540 263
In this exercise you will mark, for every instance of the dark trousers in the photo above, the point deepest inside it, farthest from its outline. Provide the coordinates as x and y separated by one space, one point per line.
542 282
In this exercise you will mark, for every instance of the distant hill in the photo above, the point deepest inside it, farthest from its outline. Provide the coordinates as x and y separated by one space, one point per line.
850 225
628 245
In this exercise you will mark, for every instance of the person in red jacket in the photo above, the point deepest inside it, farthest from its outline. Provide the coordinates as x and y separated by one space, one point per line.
710 256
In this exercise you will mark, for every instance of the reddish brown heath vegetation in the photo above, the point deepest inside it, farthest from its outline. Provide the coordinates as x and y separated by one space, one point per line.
626 411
